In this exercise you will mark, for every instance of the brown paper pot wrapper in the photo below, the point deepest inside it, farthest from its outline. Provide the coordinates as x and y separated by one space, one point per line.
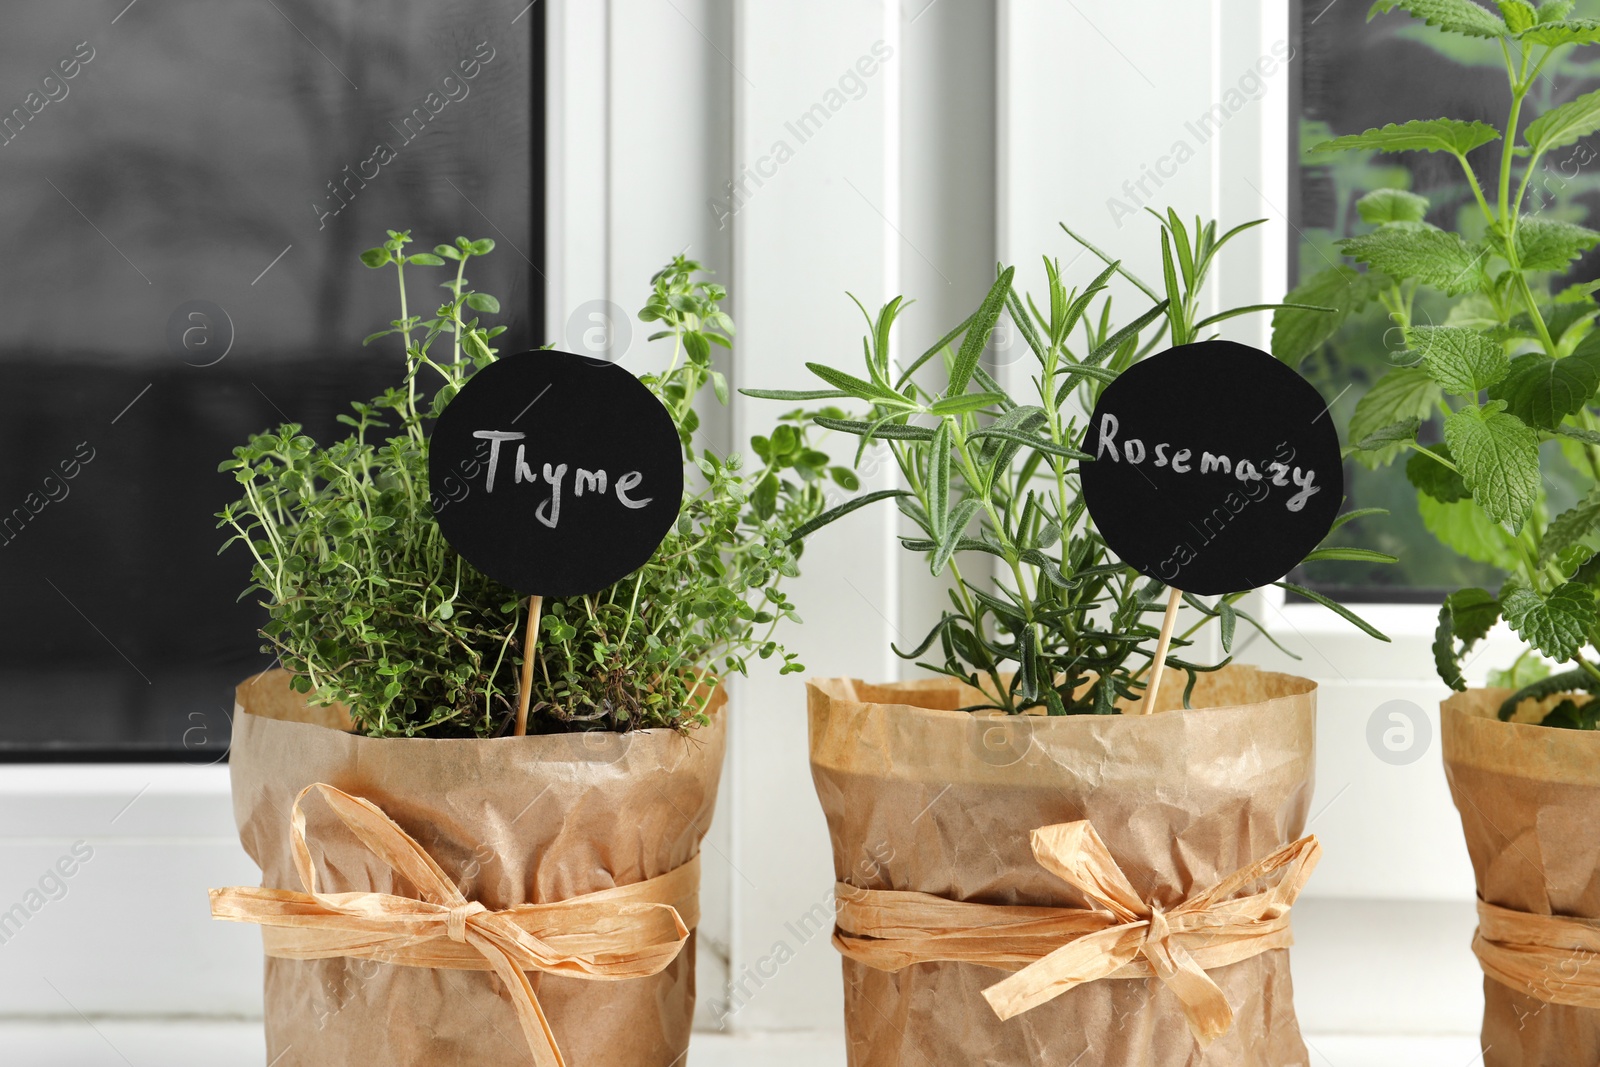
925 798
1529 798
516 820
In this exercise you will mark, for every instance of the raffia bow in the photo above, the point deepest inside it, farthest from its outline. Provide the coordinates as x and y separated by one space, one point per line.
1553 958
618 934
1055 949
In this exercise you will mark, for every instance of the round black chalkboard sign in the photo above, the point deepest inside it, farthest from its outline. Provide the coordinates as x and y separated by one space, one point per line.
555 474
1216 467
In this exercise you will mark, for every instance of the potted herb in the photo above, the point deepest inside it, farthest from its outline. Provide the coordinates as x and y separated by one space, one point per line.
1034 822
564 861
1492 406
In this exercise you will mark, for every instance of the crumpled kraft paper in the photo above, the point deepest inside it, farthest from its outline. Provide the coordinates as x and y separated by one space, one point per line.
516 820
924 798
1529 799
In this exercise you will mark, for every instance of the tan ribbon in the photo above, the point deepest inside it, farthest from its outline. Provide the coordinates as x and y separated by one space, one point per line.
630 931
1055 949
1553 958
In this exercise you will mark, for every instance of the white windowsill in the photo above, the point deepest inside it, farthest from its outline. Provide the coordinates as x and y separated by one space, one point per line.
197 1044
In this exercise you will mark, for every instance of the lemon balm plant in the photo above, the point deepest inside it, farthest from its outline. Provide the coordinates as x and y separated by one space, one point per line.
1501 391
1065 626
371 608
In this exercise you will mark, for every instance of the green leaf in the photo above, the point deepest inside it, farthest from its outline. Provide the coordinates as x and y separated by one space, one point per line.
1350 553
1358 513
1228 622
1395 433
977 338
938 498
1566 124
833 514
1463 527
1499 458
1296 334
1029 441
1116 340
1435 257
1337 608
1571 527
1452 16
1523 671
1468 614
1473 613
952 538
1434 478
1519 14
1569 31
794 394
1588 437
483 302
425 259
955 405
1542 391
887 431
376 257
765 497
1550 244
1418 135
1556 10
1462 361
1557 625
481 247
862 390
1564 32
1252 309
1392 205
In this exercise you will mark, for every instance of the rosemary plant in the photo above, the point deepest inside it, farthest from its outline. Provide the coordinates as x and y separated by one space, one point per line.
370 607
1064 626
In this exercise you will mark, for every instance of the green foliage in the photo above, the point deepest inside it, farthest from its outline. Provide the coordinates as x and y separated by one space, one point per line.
1549 686
1550 244
1543 392
1557 623
1466 616
1498 457
370 607
1432 470
1575 528
1410 250
1452 16
1406 395
1418 135
992 486
1339 292
1515 365
1391 205
1463 362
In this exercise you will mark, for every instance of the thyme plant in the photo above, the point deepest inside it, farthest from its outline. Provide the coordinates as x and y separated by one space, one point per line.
370 607
1509 379
1064 626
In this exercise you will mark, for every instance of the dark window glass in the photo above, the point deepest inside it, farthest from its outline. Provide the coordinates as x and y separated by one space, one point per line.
186 188
1354 75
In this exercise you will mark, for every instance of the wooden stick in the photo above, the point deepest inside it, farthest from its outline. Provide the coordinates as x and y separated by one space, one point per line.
1158 666
535 609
